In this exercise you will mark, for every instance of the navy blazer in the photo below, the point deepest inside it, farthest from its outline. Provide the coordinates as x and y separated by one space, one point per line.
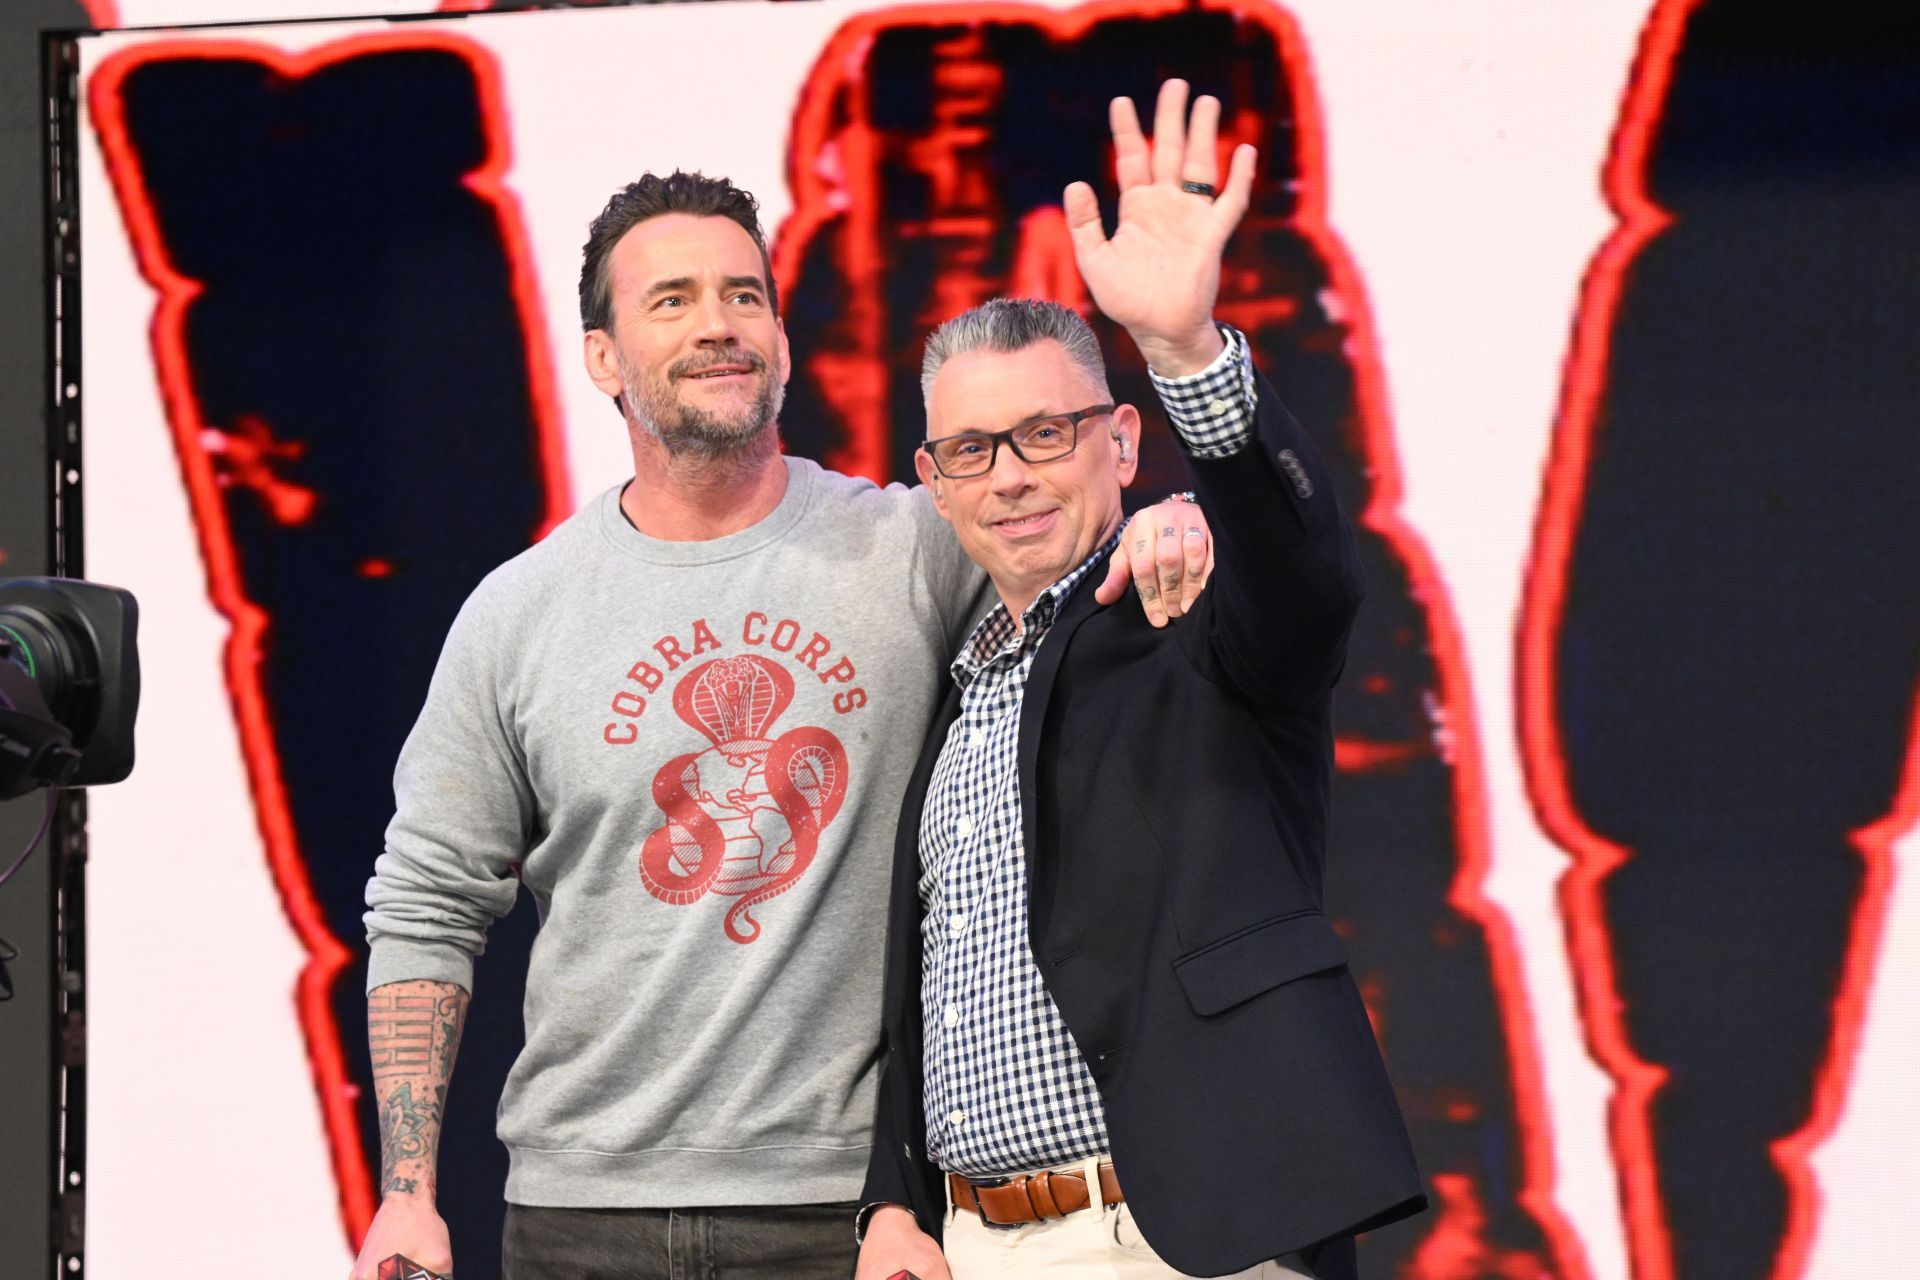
1175 789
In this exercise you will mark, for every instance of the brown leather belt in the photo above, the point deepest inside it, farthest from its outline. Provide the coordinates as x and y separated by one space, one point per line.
1034 1197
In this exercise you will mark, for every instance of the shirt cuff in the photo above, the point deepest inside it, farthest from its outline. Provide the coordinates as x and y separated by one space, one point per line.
1212 410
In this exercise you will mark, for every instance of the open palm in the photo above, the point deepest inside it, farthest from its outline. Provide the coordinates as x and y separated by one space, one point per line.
1159 273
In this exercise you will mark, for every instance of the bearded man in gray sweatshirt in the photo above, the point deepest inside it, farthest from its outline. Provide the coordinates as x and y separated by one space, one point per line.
684 721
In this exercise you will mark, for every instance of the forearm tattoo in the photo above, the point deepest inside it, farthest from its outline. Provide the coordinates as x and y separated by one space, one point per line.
400 1032
413 1033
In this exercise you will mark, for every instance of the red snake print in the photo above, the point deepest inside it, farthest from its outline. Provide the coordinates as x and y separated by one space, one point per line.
712 799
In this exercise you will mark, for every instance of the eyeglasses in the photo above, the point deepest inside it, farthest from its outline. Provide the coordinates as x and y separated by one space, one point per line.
973 453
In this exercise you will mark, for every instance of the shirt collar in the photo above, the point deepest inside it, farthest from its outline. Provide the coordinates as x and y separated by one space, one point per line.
990 638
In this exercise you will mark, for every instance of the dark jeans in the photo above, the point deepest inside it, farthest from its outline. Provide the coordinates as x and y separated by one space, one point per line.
757 1242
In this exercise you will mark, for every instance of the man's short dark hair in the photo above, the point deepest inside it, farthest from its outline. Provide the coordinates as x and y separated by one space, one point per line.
650 197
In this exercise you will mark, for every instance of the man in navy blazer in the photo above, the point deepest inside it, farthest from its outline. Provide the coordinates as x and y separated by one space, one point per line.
1122 1039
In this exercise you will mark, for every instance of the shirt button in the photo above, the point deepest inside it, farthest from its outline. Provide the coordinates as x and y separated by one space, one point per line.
956 1118
957 922
952 1016
964 824
977 737
1218 405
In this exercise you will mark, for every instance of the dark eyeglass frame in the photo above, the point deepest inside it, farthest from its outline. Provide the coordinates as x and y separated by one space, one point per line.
997 438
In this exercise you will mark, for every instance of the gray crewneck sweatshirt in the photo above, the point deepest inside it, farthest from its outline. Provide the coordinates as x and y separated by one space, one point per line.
694 753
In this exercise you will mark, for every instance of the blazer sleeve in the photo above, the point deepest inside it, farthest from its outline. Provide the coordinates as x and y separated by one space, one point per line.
898 1171
1286 585
892 1169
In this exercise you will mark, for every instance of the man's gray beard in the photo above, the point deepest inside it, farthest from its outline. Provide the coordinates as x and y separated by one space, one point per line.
697 433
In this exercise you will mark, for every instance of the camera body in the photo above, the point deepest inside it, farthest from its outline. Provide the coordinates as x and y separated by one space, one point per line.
69 683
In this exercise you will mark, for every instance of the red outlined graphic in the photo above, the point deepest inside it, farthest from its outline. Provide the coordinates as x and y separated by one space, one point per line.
246 456
712 840
832 172
1543 760
202 477
1794 1152
1594 857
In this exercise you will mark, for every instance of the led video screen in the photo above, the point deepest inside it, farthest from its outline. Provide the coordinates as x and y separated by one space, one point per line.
1600 314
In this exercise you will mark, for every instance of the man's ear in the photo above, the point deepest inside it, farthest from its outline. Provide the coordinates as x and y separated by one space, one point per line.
782 353
931 478
1126 440
602 368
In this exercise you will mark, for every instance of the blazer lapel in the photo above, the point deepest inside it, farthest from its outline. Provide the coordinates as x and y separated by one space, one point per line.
907 841
1033 707
903 919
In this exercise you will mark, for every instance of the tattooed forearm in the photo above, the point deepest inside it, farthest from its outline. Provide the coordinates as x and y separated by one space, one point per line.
452 1011
409 1130
399 1032
413 1031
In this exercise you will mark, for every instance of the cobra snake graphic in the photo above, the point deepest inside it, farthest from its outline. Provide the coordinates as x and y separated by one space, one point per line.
801 775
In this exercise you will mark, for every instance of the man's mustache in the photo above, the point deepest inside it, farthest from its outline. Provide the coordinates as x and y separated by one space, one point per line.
686 368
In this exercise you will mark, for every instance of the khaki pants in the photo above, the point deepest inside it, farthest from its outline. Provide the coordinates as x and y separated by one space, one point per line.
1097 1243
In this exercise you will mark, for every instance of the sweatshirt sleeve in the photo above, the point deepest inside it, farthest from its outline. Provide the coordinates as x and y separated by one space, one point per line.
463 817
960 589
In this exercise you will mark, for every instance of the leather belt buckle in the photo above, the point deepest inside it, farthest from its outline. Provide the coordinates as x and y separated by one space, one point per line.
980 1204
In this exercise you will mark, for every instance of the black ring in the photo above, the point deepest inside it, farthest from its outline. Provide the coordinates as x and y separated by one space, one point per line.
1206 189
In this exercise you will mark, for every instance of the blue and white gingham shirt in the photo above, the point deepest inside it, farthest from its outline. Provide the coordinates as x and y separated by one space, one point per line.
1006 1089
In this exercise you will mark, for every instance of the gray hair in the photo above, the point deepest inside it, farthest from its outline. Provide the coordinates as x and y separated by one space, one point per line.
1014 324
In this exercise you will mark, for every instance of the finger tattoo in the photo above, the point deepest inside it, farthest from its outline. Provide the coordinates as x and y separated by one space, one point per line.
1167 532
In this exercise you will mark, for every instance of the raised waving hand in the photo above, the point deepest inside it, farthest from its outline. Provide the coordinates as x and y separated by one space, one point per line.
1159 273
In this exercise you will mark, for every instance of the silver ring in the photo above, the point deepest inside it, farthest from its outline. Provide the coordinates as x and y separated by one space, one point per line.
1195 532
1206 189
